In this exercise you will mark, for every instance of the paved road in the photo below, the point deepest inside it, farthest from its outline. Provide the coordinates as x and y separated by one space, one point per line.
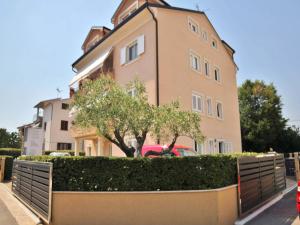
5 217
282 213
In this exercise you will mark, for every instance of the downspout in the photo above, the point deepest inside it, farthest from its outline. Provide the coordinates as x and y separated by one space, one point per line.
157 58
157 55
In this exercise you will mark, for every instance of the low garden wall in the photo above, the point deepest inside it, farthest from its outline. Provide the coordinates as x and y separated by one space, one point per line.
208 207
9 155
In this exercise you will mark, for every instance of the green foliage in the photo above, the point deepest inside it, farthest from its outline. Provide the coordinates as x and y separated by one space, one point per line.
8 166
15 153
289 140
72 153
261 116
141 174
107 106
9 139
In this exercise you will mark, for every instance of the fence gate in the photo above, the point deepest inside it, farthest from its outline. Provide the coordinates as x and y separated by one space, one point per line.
260 178
32 184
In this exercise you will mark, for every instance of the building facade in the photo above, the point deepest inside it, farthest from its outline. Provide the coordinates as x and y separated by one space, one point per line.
50 132
177 54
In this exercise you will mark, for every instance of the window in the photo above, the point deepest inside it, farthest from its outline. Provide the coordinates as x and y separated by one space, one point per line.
131 9
217 75
64 146
64 125
219 110
199 147
206 68
132 143
195 62
211 146
193 26
227 147
133 50
65 106
45 126
209 106
132 92
204 36
214 43
197 102
221 147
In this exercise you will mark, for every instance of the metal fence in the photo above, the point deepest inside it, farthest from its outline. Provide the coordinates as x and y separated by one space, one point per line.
32 184
260 179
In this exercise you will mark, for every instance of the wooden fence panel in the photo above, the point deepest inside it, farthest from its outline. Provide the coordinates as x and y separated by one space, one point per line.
260 178
32 184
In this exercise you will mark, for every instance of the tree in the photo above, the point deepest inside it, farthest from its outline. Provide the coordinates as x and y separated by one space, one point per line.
9 140
117 115
261 116
172 122
289 140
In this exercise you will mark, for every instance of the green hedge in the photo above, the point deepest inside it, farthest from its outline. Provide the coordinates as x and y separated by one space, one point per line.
124 174
8 166
15 153
72 153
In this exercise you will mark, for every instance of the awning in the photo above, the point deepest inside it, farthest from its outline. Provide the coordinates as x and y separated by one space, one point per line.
98 63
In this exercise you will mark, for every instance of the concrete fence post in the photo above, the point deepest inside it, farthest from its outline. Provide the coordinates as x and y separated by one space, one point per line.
2 169
296 158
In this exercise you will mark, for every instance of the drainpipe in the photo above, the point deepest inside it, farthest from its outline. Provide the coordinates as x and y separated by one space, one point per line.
157 55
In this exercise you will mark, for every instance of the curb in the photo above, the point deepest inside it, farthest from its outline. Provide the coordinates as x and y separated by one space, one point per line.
266 206
15 202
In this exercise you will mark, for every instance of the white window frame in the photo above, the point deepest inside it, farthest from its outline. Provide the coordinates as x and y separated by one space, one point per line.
206 72
219 79
214 40
200 148
130 10
211 148
210 114
124 52
204 35
191 23
222 110
198 97
128 47
132 92
193 56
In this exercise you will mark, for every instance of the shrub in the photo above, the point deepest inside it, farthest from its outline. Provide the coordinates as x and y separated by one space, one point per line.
14 152
125 174
72 153
8 166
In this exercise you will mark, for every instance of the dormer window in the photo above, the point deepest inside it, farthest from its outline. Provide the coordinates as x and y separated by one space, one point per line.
129 11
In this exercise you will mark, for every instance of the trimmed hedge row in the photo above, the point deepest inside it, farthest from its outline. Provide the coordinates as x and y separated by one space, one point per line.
8 166
71 152
15 153
125 174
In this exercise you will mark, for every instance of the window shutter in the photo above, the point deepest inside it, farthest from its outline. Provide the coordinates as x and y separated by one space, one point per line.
141 44
123 56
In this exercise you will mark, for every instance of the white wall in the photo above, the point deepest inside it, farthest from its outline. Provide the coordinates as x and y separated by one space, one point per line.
53 115
34 142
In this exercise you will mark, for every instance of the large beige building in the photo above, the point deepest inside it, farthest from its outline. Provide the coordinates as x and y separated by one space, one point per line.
178 54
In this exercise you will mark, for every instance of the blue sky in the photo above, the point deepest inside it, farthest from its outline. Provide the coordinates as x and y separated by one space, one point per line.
39 40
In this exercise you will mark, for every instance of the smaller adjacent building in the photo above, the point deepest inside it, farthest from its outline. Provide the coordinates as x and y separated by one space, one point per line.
50 129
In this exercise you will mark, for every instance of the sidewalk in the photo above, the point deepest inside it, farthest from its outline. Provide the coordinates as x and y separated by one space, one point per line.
12 212
5 216
283 212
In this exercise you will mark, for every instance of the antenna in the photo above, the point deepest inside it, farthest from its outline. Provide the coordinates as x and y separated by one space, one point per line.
58 92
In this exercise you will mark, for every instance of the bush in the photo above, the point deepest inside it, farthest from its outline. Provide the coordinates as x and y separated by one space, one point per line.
125 174
14 152
8 166
72 153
